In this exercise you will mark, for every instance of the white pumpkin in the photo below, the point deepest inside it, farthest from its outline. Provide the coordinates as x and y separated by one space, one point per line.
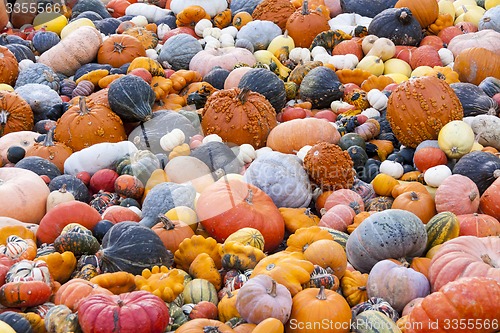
211 138
371 113
212 7
151 12
436 175
349 61
383 48
226 40
299 55
262 151
323 57
337 105
152 54
24 64
446 56
139 21
377 99
212 32
246 153
58 196
231 30
347 22
456 138
201 25
172 139
391 168
317 50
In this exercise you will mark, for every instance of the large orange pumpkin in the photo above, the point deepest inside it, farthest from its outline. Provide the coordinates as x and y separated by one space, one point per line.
467 300
120 49
424 11
304 25
229 205
8 66
88 123
73 291
419 107
474 64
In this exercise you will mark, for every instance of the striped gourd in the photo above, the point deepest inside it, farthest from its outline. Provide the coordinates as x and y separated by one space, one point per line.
198 290
371 321
248 236
338 236
441 228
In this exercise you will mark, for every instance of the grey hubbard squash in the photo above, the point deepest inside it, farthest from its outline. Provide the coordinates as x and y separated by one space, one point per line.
392 233
321 86
282 177
398 25
474 100
178 50
38 73
265 83
131 98
131 247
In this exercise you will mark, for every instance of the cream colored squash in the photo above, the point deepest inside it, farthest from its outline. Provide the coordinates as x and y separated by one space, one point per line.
459 3
74 25
368 42
6 328
488 4
472 14
397 66
456 138
421 71
397 77
383 48
6 87
446 7
58 196
436 175
281 41
372 64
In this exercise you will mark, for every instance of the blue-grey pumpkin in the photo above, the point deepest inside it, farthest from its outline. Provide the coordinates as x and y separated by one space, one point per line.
44 40
38 73
282 177
398 25
178 51
259 33
266 83
40 97
368 8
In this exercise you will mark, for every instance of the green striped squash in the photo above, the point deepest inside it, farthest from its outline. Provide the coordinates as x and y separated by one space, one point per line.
441 228
372 321
247 236
338 236
198 290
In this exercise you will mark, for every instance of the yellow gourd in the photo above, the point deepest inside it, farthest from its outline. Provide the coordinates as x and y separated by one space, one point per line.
395 65
266 57
82 22
54 22
279 42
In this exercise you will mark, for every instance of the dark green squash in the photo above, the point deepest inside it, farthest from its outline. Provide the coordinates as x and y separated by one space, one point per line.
321 86
490 85
131 98
474 100
329 39
95 6
219 158
369 321
131 247
40 166
44 40
140 164
370 170
76 242
101 228
177 316
376 304
397 24
481 167
266 83
351 139
21 52
358 156
163 197
73 185
368 8
16 321
216 77
178 51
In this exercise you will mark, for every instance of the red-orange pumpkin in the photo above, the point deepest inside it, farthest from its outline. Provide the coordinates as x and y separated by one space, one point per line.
490 200
479 225
73 291
457 194
338 217
345 197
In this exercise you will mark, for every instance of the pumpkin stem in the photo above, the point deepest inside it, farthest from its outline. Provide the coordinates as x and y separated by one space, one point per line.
49 138
272 292
243 95
120 303
305 7
63 188
362 288
229 294
249 197
404 262
117 47
82 104
472 195
4 117
167 223
487 260
321 295
413 196
496 173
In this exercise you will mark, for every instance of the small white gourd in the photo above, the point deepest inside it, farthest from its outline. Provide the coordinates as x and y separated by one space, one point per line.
377 99
212 138
436 175
226 40
263 151
299 55
392 168
162 30
301 154
318 50
201 25
139 21
172 139
246 153
446 56
152 54
371 113
214 32
58 196
336 105
231 30
323 57
349 61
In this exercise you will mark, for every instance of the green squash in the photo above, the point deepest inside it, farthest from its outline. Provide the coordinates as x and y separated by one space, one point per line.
198 290
61 319
177 316
131 98
368 8
398 25
338 236
351 139
76 242
490 85
178 51
140 164
481 167
265 83
474 100
371 321
441 228
321 86
358 156
392 233
16 321
131 247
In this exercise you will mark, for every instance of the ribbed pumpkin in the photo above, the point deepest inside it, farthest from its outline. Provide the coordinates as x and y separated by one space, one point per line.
419 203
457 194
56 152
479 225
198 290
474 64
118 50
74 130
131 98
8 66
441 228
418 108
353 285
239 117
303 25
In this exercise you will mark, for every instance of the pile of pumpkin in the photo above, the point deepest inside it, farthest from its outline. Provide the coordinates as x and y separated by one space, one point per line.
250 166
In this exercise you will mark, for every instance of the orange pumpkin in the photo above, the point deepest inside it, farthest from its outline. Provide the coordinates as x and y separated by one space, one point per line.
424 11
304 25
274 11
73 291
328 254
223 19
172 232
419 203
200 325
189 16
120 49
8 66
241 19
15 113
474 64
56 152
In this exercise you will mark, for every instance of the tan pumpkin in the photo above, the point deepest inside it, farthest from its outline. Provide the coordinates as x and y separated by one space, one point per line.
8 66
474 64
26 194
457 194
